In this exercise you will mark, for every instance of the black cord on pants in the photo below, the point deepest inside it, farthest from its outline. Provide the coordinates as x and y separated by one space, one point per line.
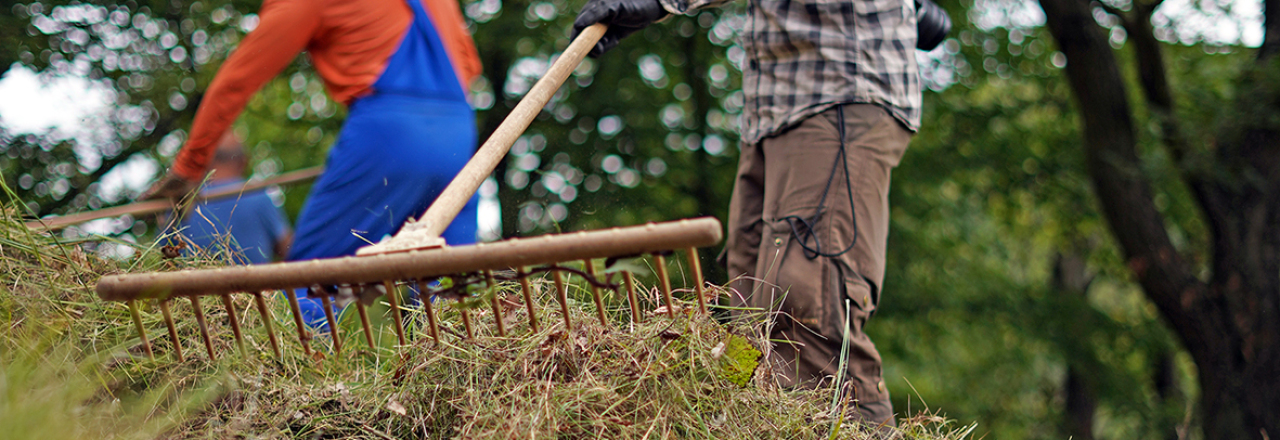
797 222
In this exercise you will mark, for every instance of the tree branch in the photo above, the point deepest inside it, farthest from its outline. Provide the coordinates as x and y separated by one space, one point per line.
1271 25
163 127
1154 79
1151 71
1112 159
1125 20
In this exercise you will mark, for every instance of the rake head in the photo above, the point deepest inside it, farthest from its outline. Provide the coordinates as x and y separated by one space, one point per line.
361 280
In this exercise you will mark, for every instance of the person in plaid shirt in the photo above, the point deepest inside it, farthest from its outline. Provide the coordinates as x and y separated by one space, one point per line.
832 97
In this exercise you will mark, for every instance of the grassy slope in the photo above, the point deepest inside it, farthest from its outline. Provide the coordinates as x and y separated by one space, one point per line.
71 367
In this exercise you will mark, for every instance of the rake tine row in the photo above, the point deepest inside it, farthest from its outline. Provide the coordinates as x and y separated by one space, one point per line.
660 266
595 291
497 305
235 323
393 298
528 256
364 323
142 332
557 272
204 327
696 266
466 319
333 323
304 336
266 321
173 330
631 297
562 297
527 291
431 315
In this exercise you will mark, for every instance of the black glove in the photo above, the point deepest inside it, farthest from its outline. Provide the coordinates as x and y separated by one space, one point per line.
624 17
932 24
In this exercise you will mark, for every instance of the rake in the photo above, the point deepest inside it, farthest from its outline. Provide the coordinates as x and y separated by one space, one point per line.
154 206
417 256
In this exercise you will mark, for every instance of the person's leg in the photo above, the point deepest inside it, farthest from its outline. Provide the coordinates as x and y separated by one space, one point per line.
745 225
822 254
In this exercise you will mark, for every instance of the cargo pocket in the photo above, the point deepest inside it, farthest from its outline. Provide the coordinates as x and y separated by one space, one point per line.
792 284
849 296
859 298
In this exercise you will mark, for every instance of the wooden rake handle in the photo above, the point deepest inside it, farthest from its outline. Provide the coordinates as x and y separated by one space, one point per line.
152 206
416 264
426 230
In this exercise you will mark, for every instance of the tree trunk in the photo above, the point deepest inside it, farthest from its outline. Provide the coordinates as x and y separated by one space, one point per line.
1230 325
1081 405
1165 382
1070 278
695 77
496 66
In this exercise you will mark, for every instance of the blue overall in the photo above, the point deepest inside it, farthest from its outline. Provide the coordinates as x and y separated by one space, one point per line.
398 149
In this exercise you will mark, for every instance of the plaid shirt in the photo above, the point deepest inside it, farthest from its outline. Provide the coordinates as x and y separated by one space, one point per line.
805 56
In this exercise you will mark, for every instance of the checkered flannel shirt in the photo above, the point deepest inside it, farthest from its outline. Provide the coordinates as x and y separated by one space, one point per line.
805 56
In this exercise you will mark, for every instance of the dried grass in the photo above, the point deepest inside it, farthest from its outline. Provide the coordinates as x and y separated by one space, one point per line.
664 378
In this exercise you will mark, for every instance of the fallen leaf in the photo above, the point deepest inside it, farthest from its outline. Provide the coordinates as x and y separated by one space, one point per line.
669 335
717 351
545 348
397 407
173 251
662 310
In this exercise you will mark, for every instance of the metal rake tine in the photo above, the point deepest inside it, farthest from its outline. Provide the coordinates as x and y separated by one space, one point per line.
266 321
204 328
562 293
142 332
595 290
664 282
466 320
364 322
393 299
627 278
333 323
235 323
431 313
173 330
528 299
304 336
497 305
697 279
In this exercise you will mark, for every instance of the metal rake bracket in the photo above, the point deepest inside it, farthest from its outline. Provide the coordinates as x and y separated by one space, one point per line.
361 280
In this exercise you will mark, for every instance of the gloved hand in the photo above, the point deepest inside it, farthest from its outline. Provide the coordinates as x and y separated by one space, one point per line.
624 17
170 186
932 24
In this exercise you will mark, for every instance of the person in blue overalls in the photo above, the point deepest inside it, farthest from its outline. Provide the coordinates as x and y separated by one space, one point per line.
401 67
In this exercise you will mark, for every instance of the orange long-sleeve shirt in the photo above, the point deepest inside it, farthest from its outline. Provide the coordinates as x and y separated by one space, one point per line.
349 43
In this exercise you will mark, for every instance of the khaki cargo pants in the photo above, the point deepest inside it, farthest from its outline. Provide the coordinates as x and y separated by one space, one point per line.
791 194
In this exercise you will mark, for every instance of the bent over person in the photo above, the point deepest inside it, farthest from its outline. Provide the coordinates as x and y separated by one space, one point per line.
402 68
832 96
245 229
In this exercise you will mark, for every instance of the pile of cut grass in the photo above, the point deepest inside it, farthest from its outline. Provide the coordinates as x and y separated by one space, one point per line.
71 367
